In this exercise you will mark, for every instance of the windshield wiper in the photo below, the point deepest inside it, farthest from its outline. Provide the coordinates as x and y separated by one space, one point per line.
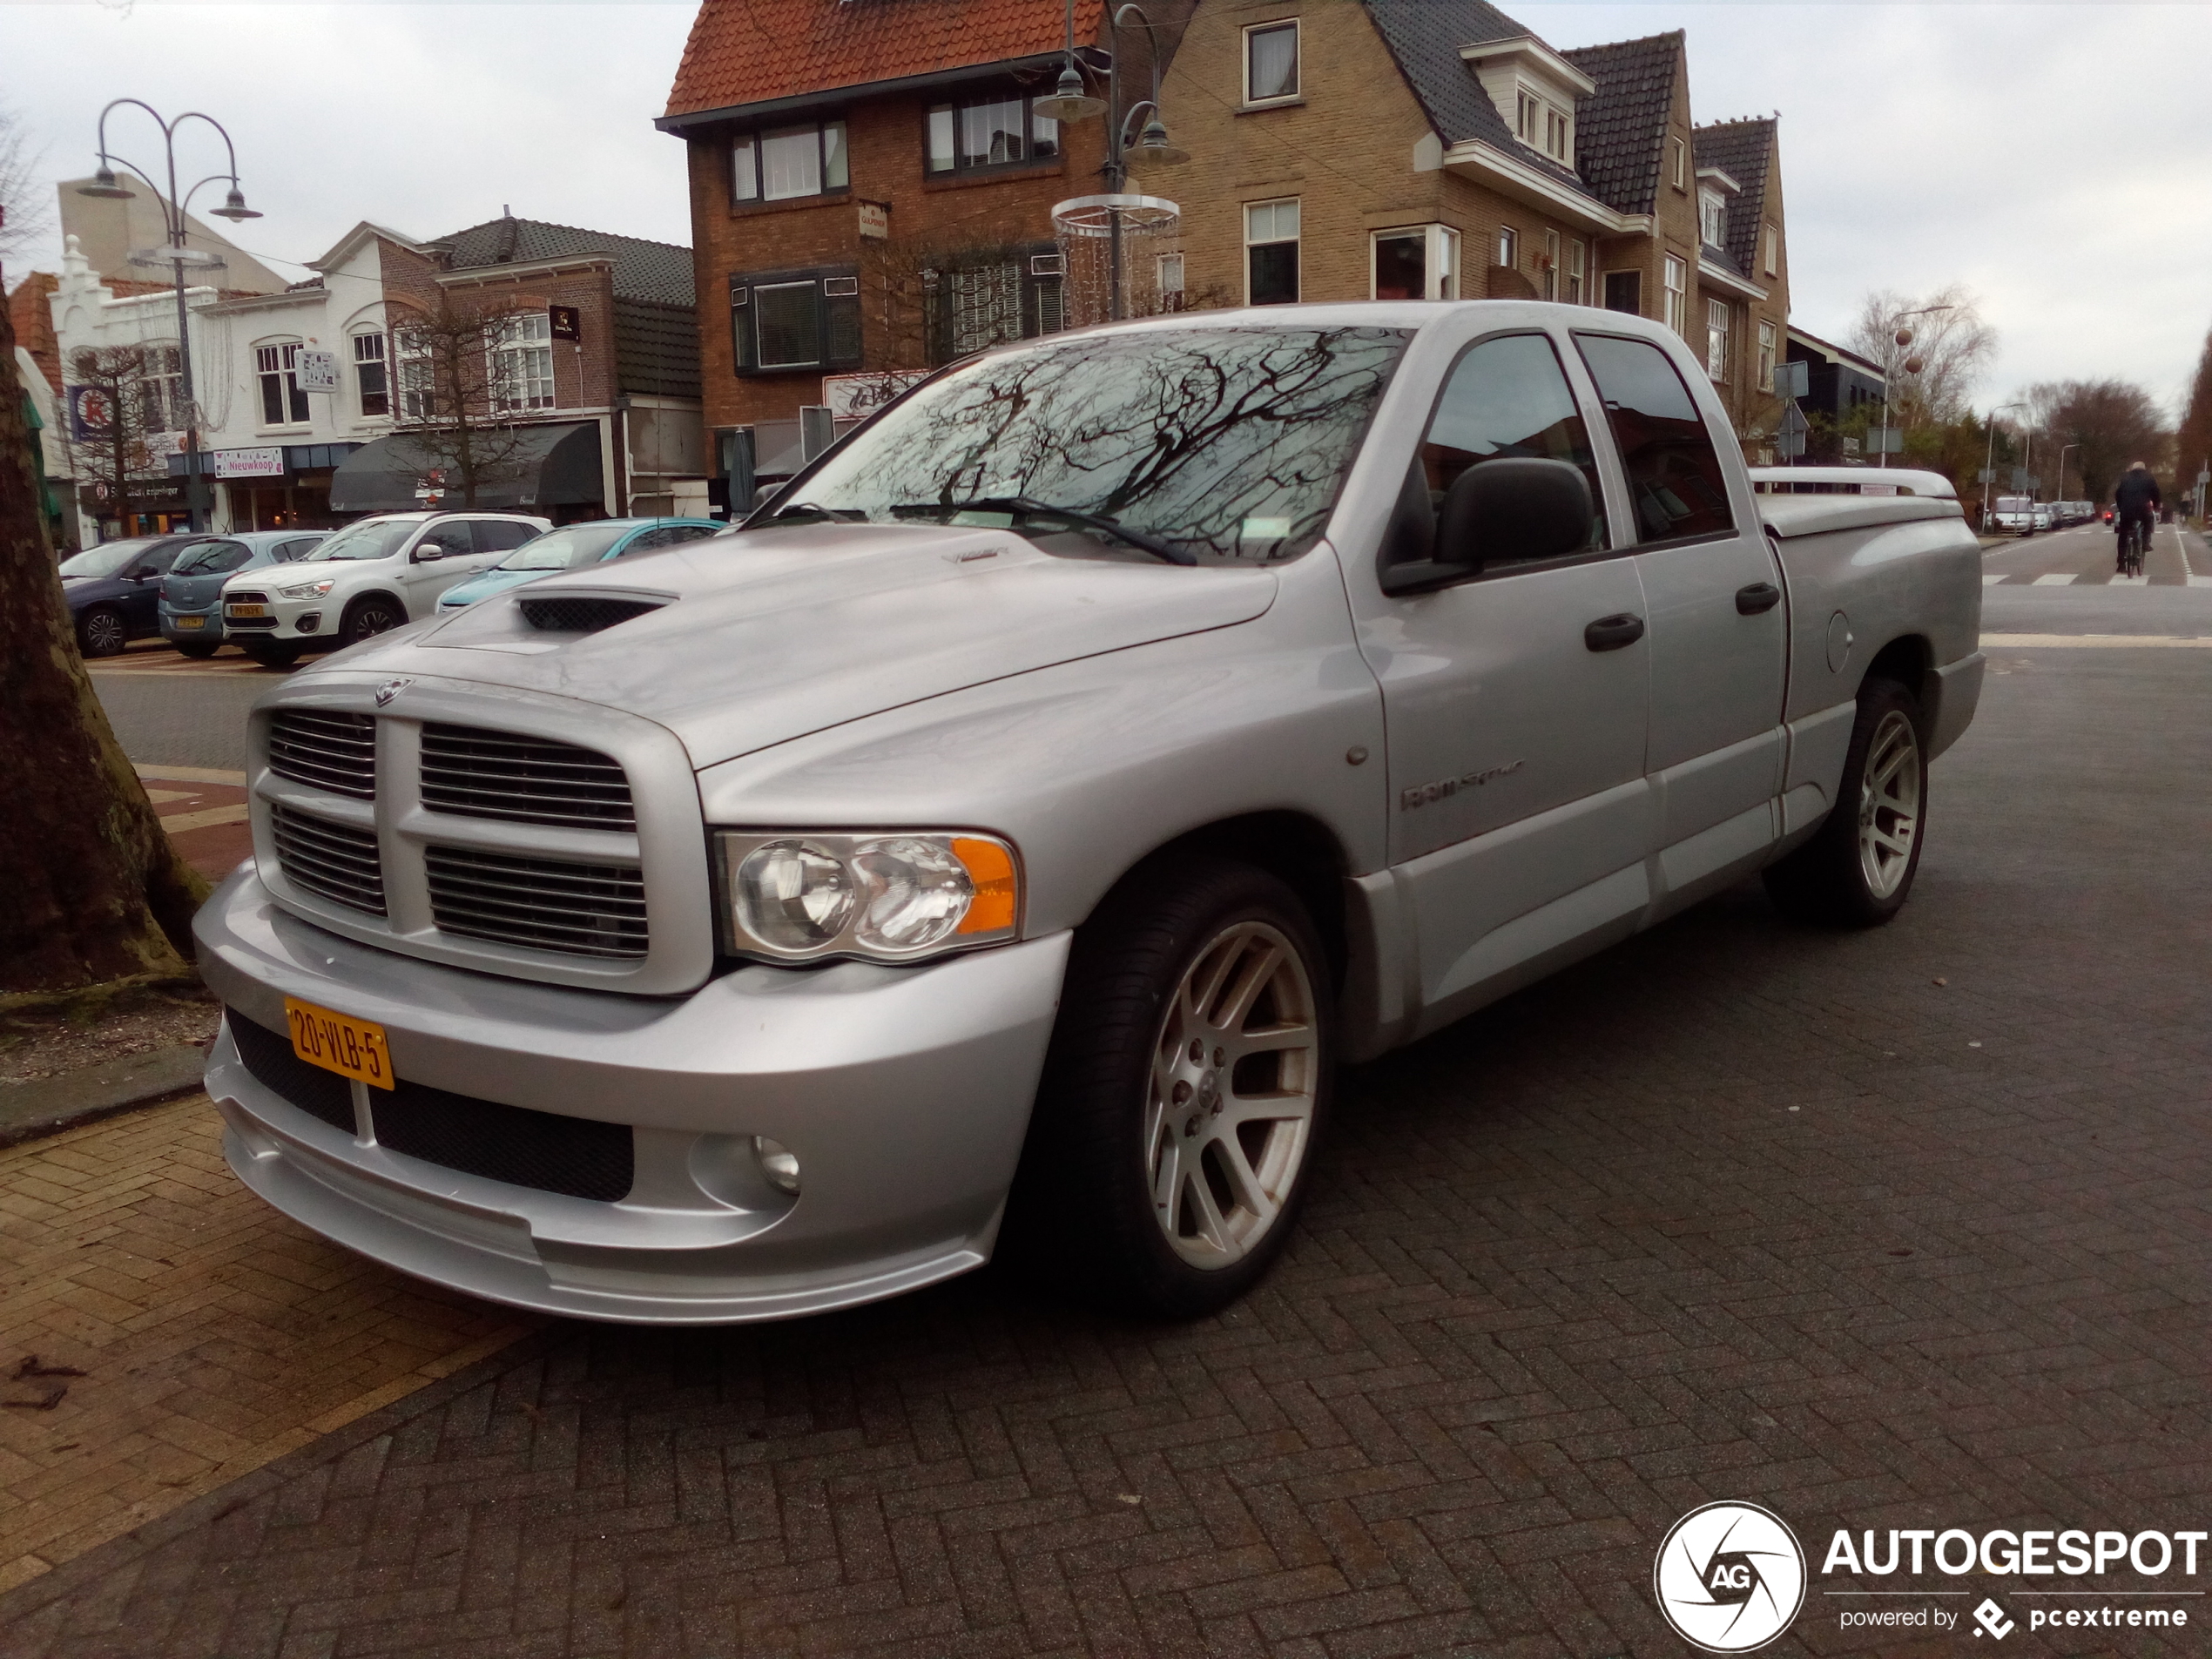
800 509
1032 508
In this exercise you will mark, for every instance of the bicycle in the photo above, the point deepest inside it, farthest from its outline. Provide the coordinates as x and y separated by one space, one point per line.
2133 536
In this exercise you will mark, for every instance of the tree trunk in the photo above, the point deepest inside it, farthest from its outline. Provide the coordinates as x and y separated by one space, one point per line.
94 892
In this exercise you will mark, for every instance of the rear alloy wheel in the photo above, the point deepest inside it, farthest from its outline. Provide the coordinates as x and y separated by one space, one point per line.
1857 869
102 632
365 618
1184 1092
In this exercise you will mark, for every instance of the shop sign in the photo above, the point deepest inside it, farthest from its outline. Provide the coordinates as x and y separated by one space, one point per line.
564 322
851 397
91 413
249 464
875 221
147 495
317 371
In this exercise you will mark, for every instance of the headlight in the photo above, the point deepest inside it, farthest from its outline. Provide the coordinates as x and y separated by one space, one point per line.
892 896
309 589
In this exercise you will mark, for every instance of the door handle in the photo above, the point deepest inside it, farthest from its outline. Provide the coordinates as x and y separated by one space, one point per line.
1610 633
1757 597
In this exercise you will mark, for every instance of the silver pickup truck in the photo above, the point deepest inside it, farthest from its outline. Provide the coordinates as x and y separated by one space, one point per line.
997 842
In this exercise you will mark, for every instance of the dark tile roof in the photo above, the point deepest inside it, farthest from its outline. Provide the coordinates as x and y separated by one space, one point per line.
749 51
1425 37
660 272
1620 129
1744 151
657 348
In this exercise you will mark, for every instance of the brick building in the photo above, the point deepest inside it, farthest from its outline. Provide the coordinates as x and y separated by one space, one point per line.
1439 149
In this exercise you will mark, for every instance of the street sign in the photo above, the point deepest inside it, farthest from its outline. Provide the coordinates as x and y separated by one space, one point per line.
1851 445
1788 445
2020 479
316 371
1792 380
1793 419
1986 475
1886 442
564 322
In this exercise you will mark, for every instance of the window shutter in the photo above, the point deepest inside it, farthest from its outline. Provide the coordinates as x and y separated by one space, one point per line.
841 322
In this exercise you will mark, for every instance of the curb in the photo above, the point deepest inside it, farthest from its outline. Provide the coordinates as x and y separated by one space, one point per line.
49 1105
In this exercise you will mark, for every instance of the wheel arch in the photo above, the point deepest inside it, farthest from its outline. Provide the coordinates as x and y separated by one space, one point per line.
361 598
1908 660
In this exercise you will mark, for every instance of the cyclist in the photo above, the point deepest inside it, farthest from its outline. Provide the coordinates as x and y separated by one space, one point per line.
2135 500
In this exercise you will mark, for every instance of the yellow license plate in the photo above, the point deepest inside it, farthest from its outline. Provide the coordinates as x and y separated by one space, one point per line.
191 622
247 610
350 1048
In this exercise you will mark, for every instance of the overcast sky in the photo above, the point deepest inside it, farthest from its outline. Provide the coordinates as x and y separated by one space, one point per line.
2052 158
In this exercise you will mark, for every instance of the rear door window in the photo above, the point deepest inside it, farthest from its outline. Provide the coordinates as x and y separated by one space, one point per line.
1674 476
287 551
500 534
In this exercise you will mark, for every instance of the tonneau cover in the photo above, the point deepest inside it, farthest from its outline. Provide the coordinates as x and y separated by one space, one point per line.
1790 516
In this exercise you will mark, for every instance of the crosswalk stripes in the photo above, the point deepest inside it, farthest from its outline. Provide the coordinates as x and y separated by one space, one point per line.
2055 579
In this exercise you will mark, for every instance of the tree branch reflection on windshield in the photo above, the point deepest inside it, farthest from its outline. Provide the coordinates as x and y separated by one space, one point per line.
1230 443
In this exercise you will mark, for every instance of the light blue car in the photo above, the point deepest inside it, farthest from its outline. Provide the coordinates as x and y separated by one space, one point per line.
572 547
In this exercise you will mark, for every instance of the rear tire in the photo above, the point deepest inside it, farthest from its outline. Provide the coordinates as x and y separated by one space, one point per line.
1857 869
101 631
198 650
269 654
1183 1093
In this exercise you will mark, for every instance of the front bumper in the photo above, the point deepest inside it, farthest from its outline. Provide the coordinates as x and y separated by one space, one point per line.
904 1092
282 621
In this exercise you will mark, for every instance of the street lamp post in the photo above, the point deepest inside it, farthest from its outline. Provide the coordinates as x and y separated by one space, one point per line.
1069 102
1912 367
175 222
1989 459
2059 493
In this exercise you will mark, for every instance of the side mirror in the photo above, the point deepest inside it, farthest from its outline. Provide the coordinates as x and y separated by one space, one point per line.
1517 509
426 551
760 496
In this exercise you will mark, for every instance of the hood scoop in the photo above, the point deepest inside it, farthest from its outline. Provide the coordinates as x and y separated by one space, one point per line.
581 613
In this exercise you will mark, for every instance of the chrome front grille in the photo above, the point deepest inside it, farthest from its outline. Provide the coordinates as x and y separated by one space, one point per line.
542 904
474 773
330 751
336 861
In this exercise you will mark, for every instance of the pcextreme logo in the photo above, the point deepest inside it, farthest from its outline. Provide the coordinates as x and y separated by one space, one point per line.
1730 1577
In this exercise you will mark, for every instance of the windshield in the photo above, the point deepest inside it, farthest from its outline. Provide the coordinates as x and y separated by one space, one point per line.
565 549
105 559
1220 444
372 538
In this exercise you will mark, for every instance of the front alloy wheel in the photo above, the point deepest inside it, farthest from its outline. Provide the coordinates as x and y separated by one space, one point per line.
1184 1091
1234 1079
370 618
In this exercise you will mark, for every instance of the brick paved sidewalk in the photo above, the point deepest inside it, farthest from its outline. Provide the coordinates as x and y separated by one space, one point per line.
213 1334
1904 1228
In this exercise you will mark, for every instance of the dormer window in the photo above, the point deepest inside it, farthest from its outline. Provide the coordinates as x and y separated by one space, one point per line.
1534 89
1525 111
1556 142
1712 219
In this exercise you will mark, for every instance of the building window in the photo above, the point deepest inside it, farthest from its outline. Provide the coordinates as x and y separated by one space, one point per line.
1421 262
1682 166
161 391
1677 317
1000 131
369 376
521 362
1578 266
782 321
1551 265
1716 322
1524 121
1624 291
984 300
418 380
1766 356
1557 135
1270 61
1508 247
282 402
1271 253
1771 246
1170 279
1712 219
785 163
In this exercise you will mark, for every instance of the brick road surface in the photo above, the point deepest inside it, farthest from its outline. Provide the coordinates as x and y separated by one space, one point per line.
1901 1229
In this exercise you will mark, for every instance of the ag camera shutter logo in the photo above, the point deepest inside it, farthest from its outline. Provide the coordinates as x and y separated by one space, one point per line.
1730 1577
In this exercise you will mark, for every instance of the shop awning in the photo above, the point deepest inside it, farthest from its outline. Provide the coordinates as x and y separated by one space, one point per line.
545 466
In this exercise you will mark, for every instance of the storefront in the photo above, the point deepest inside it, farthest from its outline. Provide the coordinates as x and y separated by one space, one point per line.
157 506
278 488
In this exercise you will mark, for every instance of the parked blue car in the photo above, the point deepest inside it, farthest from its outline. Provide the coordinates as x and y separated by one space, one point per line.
111 589
191 594
572 546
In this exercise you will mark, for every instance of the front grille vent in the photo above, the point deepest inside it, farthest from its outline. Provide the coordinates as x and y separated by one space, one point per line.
269 1057
332 751
582 614
543 904
242 597
475 773
338 861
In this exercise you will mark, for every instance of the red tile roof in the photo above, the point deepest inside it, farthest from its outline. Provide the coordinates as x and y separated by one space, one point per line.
747 51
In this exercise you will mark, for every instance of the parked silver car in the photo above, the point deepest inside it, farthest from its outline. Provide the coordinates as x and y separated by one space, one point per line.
998 842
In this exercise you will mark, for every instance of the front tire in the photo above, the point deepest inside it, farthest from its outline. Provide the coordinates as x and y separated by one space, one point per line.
1182 1092
1857 869
365 618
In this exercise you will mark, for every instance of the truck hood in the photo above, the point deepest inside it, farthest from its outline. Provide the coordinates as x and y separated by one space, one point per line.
765 636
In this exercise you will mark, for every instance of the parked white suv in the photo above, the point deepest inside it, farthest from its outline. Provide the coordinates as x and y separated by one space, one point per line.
375 575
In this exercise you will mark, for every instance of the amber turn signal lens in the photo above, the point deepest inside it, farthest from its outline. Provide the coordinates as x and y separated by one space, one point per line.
991 868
